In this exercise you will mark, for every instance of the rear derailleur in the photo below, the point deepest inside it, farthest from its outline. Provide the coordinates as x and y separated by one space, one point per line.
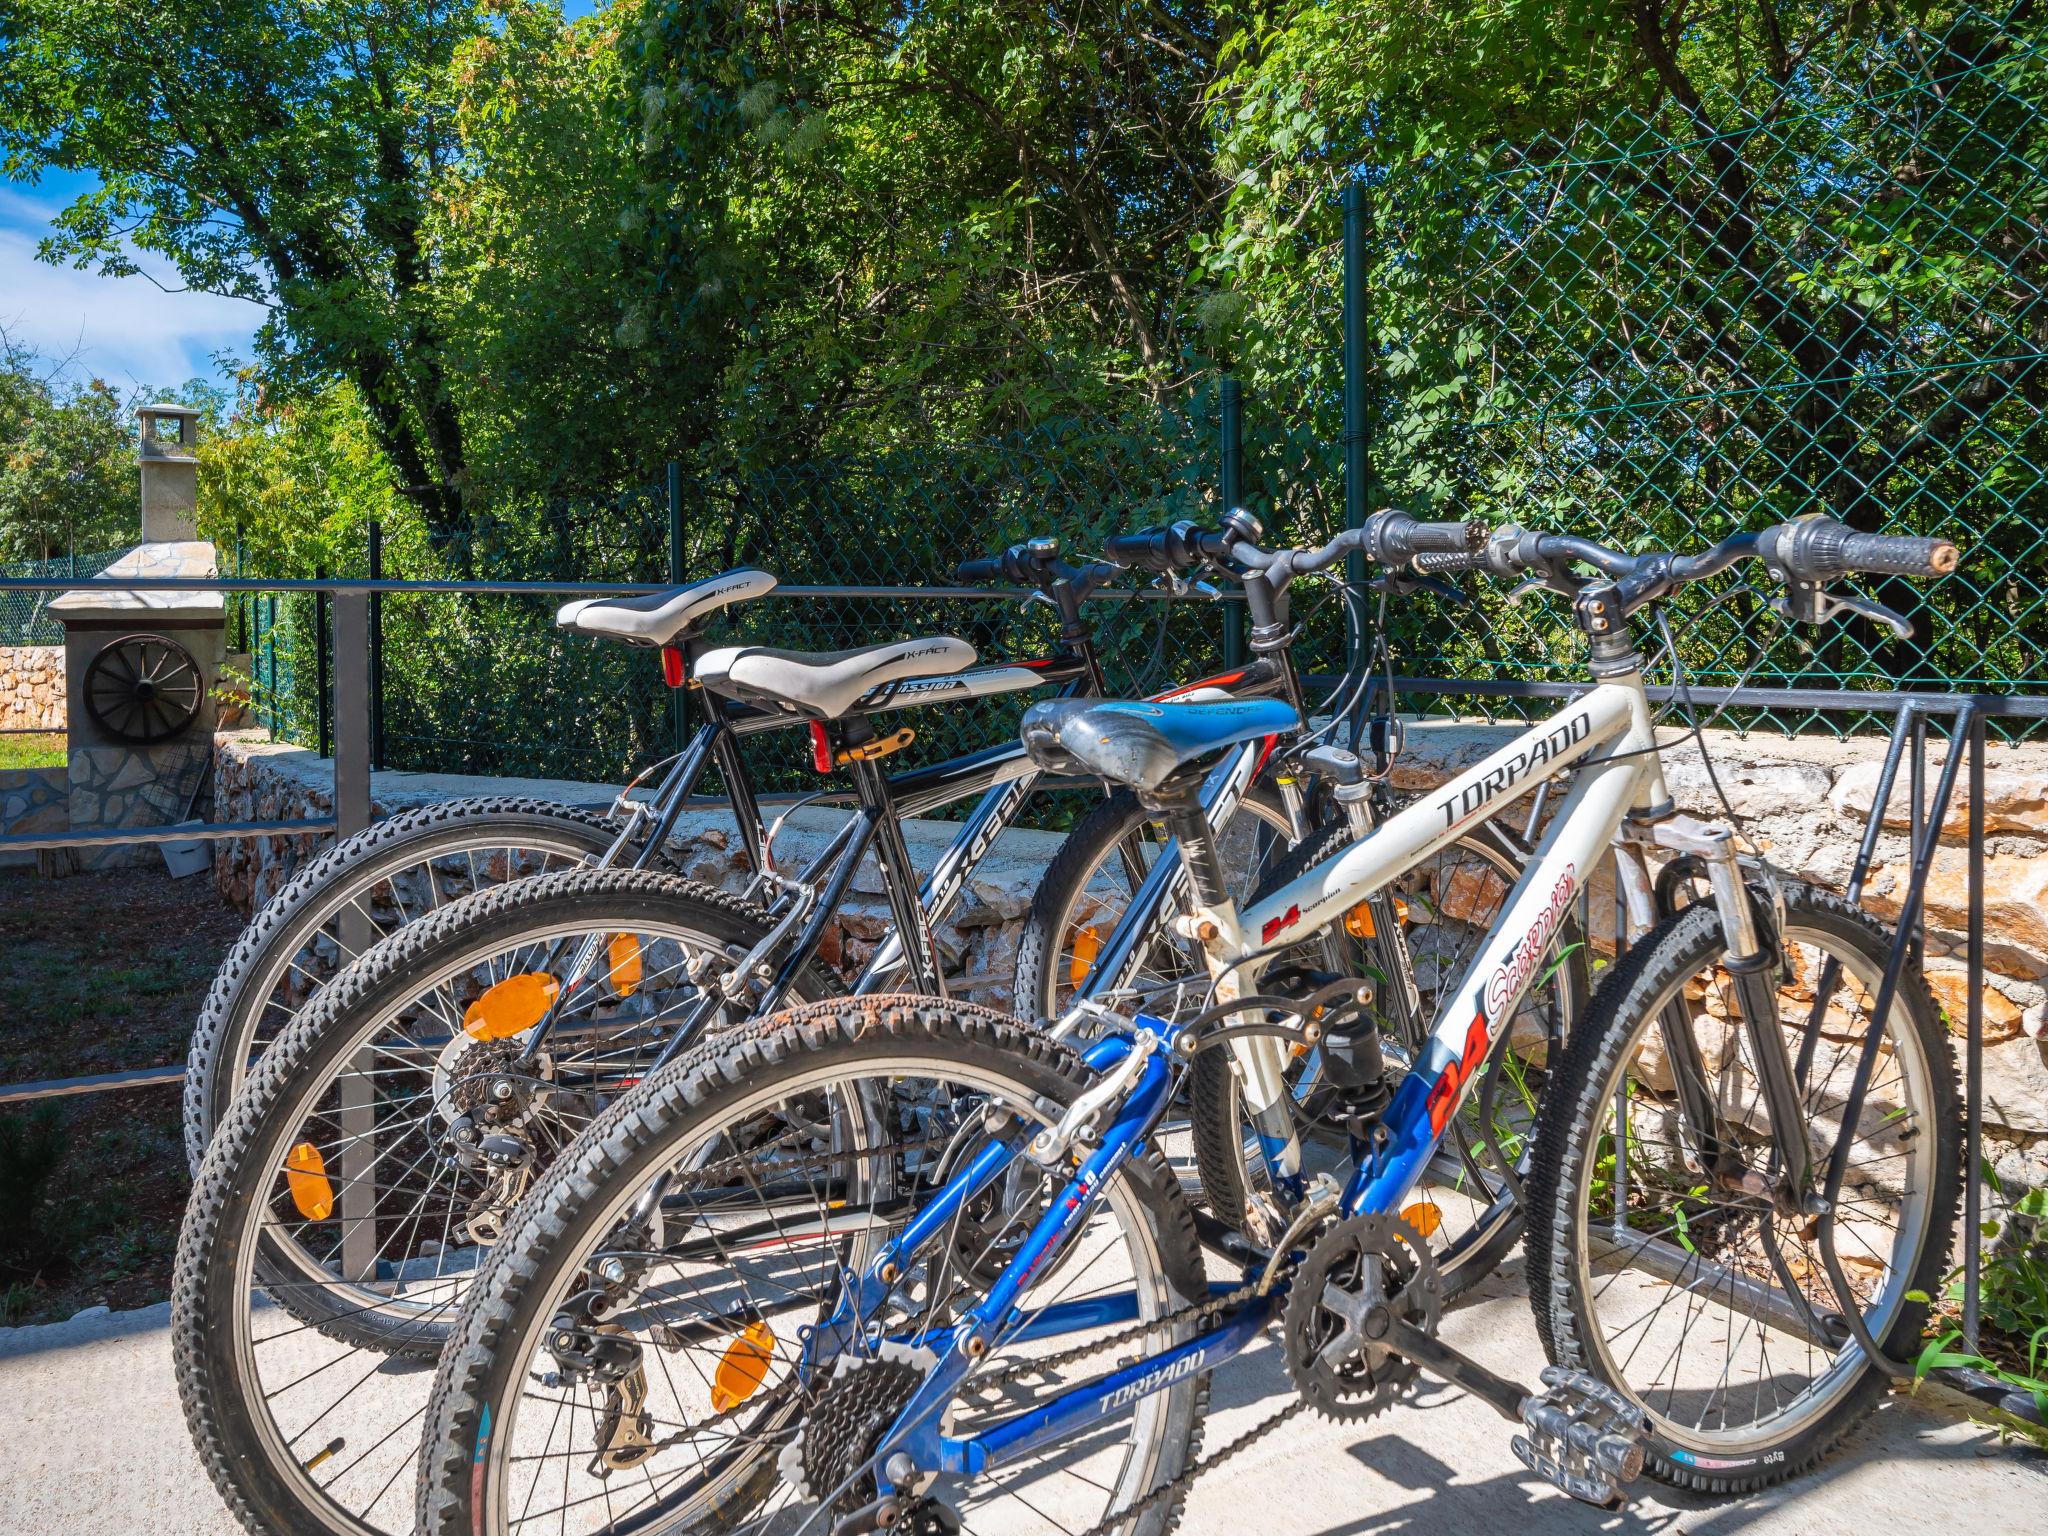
1360 1326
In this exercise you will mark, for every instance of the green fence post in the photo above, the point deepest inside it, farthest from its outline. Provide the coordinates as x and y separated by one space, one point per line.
1230 482
376 647
1357 429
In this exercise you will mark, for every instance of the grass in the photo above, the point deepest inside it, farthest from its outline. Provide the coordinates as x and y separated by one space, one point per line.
31 749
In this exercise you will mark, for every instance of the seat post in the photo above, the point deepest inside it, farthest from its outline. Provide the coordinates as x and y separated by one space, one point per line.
1179 805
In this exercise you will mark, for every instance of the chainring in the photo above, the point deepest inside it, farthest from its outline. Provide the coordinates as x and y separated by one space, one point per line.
1361 1271
845 1424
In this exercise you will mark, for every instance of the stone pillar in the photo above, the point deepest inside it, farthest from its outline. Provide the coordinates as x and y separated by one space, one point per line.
140 666
170 473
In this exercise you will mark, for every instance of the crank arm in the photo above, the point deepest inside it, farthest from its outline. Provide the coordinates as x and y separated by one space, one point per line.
1504 1397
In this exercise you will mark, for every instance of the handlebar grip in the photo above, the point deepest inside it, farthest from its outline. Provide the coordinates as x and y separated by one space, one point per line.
1443 538
1448 564
975 573
1820 549
1145 549
1900 555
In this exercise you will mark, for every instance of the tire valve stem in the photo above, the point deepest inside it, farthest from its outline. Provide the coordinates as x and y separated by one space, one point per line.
325 1452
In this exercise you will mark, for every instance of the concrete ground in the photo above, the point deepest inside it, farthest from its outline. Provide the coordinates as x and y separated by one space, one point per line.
91 1438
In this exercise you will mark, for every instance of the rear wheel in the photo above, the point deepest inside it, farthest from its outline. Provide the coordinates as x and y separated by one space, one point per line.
341 1212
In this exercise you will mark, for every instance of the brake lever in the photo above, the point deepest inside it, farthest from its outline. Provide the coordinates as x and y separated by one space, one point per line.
1396 584
1828 606
1527 586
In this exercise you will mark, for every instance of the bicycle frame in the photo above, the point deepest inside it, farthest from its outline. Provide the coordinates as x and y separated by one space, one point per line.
1607 735
1004 777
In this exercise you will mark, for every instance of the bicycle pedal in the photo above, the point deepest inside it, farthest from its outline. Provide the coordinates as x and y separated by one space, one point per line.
1585 1439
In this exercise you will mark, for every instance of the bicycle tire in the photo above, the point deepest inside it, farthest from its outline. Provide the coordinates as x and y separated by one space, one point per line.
1633 999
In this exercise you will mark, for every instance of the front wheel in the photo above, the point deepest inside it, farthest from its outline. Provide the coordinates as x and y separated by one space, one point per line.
713 1403
1665 1268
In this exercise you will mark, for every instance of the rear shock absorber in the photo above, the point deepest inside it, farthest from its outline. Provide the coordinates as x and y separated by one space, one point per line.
1261 1060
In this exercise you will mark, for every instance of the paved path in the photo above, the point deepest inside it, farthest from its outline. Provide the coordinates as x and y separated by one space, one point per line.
91 1440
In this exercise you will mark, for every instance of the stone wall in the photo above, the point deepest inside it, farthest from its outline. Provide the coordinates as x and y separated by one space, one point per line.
1803 802
32 800
31 688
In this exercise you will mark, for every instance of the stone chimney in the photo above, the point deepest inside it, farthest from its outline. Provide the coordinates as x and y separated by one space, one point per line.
170 473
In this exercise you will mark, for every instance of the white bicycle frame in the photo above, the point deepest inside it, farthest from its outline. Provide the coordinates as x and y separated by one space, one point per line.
1607 735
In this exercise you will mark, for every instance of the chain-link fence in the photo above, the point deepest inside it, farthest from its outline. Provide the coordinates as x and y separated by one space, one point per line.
1822 288
24 616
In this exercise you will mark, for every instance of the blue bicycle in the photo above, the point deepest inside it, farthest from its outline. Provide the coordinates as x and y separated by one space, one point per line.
903 1264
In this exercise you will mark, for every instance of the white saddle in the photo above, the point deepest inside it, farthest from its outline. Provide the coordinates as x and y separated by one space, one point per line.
828 683
658 617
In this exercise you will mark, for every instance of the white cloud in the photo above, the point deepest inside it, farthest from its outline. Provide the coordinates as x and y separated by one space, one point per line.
124 330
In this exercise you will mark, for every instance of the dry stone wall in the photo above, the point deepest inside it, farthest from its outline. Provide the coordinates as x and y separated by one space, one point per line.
31 688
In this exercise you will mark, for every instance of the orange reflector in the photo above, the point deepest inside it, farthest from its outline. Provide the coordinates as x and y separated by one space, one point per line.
626 968
1423 1217
1087 945
306 1171
743 1368
1358 921
515 1004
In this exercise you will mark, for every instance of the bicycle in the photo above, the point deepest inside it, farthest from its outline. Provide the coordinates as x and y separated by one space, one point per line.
385 1137
867 1315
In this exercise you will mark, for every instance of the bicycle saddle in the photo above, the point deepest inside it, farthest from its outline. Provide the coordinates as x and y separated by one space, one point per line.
828 683
1139 744
656 618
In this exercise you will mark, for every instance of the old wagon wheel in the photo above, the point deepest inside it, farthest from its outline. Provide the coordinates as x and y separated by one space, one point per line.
143 688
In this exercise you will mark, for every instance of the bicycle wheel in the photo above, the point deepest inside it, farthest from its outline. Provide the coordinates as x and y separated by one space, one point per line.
1468 1205
764 1205
1090 883
1685 1290
382 878
342 1210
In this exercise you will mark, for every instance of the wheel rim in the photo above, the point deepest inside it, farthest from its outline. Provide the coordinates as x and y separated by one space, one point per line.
1711 1247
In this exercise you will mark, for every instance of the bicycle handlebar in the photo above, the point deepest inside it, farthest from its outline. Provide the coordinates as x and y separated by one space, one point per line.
1036 564
1386 538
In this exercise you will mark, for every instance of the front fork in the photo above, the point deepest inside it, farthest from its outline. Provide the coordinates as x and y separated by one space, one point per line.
1753 961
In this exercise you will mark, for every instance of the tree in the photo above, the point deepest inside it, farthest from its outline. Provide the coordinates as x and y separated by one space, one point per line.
273 151
67 461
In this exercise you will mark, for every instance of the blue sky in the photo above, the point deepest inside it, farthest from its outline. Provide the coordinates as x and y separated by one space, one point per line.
124 330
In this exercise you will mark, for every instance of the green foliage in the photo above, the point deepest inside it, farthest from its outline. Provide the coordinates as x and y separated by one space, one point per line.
38 1227
67 461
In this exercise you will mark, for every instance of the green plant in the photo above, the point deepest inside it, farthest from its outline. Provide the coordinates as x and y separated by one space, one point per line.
2013 1301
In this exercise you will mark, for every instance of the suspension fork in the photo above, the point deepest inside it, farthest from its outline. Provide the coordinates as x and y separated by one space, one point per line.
1752 960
